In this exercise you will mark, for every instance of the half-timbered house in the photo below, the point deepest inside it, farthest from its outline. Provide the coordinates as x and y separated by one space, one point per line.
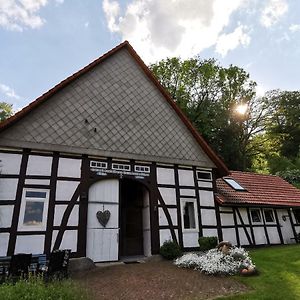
105 164
257 209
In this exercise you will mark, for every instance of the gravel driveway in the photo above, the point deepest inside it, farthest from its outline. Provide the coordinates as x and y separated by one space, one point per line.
154 280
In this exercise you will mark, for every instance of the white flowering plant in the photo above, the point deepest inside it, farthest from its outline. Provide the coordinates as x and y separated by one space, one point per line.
215 262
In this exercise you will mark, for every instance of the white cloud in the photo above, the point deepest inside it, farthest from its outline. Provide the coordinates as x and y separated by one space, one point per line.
294 27
273 11
86 24
230 41
9 92
20 14
163 28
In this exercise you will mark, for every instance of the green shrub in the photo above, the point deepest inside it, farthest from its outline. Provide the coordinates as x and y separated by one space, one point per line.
207 242
35 288
170 250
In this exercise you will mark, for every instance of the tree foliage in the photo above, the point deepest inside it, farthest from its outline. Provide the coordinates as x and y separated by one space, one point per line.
209 94
6 111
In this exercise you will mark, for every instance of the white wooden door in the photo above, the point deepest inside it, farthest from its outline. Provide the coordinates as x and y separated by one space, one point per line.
286 227
103 241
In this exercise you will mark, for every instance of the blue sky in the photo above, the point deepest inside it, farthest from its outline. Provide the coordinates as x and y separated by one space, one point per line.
44 41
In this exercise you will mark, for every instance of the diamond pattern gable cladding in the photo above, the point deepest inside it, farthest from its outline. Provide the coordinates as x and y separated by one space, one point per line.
112 110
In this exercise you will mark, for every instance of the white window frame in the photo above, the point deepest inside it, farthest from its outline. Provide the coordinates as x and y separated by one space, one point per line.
204 171
272 210
43 225
98 164
238 188
182 203
260 215
138 170
125 167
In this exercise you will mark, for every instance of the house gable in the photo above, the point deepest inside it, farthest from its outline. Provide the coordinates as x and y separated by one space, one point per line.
111 108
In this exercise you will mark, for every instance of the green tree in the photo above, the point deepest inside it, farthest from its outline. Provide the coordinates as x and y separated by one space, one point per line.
6 111
209 93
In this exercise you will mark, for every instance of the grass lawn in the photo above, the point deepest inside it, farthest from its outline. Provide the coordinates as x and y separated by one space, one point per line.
35 289
279 277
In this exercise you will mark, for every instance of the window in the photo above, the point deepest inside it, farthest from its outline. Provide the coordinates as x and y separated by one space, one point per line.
234 184
204 175
98 164
142 169
269 216
297 215
34 209
255 215
189 220
121 167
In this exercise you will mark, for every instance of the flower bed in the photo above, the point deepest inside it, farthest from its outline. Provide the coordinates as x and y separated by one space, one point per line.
215 262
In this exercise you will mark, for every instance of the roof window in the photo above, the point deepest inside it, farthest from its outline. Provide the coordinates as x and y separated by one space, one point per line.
234 184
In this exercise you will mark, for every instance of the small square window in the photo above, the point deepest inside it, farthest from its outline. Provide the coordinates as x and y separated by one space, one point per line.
235 185
255 215
269 216
189 220
33 214
204 175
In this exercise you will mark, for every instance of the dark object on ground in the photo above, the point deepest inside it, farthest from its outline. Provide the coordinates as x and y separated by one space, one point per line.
19 265
58 264
170 250
80 264
207 242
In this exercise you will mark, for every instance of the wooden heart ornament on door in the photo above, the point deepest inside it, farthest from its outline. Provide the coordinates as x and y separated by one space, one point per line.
103 217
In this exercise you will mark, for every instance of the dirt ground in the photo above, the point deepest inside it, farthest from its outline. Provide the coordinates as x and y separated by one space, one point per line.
154 280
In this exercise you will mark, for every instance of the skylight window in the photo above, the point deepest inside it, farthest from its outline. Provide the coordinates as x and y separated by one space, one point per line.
234 184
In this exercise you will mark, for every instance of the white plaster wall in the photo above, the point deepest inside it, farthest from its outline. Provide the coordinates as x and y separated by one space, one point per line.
69 240
259 234
206 198
243 237
6 214
10 163
165 235
4 238
244 216
165 176
69 167
205 184
8 188
229 235
163 219
208 217
65 190
39 165
168 195
273 235
186 177
210 232
187 192
103 244
37 181
30 244
190 239
227 219
59 212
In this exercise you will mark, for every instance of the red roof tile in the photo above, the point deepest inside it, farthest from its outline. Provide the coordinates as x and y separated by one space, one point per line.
260 190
